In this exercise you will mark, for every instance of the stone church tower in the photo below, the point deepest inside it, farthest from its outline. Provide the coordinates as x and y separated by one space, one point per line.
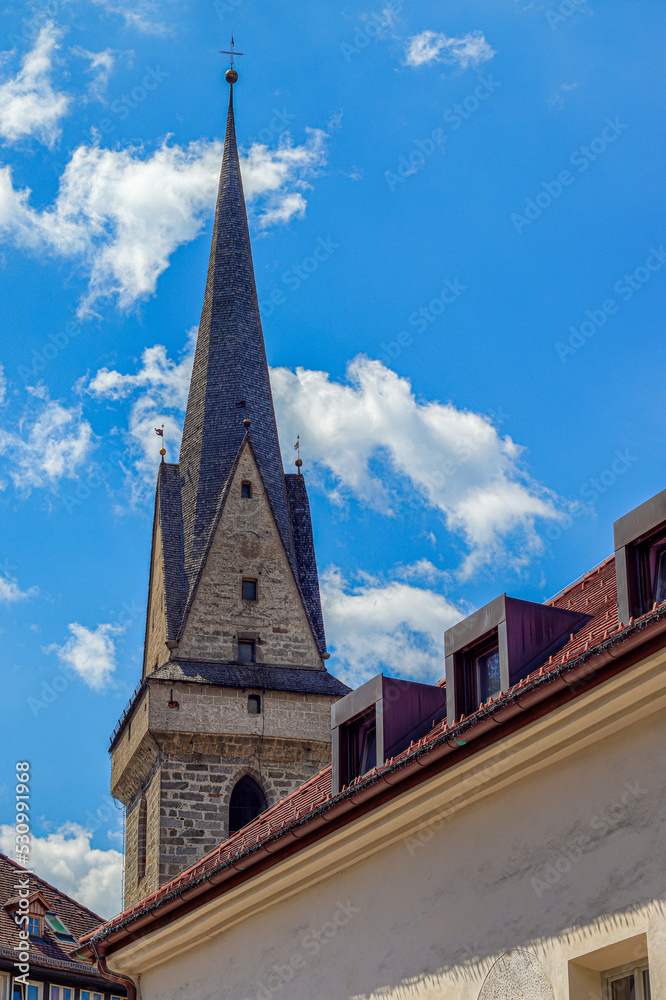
233 709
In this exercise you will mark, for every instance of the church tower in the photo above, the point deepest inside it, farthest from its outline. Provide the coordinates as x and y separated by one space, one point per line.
233 709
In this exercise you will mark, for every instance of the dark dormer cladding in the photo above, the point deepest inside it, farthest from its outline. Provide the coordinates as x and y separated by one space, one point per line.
498 645
640 558
378 721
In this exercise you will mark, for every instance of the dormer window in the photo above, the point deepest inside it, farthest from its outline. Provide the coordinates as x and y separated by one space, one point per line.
34 926
499 644
640 558
359 746
487 669
246 490
378 721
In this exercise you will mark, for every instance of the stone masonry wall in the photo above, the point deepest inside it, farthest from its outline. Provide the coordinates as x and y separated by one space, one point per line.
247 545
204 708
196 789
156 651
135 889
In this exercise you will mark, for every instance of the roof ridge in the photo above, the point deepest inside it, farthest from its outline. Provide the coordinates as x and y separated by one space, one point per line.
578 580
48 885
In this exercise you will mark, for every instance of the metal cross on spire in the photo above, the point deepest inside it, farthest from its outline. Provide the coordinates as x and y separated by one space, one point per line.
231 51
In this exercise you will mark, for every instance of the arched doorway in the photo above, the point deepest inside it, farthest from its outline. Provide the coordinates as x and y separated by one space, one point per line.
247 801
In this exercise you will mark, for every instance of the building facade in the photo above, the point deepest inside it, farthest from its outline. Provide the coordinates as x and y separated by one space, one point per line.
232 712
514 851
49 968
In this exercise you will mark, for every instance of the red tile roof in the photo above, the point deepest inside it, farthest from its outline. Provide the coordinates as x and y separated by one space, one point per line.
47 952
594 594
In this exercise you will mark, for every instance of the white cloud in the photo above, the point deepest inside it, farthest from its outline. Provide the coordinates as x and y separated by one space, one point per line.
392 627
29 106
122 213
11 592
101 65
162 387
91 653
371 439
50 443
137 14
432 46
378 443
67 861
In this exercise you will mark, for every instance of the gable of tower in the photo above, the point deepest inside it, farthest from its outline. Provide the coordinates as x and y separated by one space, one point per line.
247 546
156 632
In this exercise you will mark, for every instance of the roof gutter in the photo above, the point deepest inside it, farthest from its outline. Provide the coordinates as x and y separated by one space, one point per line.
537 696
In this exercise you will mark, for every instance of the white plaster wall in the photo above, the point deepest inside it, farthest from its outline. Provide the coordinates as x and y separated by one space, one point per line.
429 918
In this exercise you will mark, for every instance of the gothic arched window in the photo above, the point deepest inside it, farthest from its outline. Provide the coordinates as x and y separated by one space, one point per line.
247 801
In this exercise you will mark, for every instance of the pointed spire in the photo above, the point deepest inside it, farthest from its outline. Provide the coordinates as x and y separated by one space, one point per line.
230 383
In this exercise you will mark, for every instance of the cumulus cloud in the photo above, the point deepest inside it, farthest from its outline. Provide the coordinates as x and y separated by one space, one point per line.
50 442
29 106
380 444
361 437
122 213
394 627
67 860
432 46
91 653
160 389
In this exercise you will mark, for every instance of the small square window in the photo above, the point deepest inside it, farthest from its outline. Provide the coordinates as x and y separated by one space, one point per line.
254 704
245 651
34 929
246 490
249 590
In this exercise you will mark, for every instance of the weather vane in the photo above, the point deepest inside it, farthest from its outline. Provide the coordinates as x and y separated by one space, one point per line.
297 448
231 75
160 433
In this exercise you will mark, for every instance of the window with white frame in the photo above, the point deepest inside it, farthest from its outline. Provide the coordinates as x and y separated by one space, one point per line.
32 992
627 982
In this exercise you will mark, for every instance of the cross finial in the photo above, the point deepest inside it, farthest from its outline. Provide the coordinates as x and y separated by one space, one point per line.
231 75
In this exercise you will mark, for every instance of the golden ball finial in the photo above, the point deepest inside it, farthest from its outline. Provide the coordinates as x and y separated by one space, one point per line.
246 423
298 463
162 452
231 76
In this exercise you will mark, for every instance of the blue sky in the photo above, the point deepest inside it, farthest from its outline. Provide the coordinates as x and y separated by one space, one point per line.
457 228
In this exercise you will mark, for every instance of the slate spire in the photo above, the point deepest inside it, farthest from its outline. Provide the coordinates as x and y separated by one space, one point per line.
230 380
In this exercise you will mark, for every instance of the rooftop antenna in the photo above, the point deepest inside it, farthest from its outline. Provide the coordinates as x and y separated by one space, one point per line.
160 433
297 447
231 76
